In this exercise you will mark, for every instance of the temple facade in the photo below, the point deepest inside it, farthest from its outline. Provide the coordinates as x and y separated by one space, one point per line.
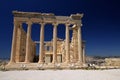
57 51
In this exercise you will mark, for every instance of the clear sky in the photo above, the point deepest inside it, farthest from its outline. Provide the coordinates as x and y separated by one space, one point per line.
101 22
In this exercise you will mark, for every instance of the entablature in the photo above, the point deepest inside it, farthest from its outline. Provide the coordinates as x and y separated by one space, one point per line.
36 17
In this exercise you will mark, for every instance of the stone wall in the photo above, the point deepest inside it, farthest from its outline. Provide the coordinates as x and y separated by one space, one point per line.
74 46
112 61
49 51
21 46
32 51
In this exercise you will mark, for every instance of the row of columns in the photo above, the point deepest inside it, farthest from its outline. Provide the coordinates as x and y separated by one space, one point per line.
41 50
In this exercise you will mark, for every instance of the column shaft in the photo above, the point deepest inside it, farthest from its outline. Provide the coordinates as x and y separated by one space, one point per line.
18 47
67 46
41 50
75 49
79 45
54 43
28 42
13 49
84 55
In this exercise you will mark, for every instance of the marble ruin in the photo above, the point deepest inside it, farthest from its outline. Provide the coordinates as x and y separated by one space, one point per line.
57 52
112 62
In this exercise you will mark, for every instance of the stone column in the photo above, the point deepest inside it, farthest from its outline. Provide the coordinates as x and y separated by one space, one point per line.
18 43
75 41
67 44
54 43
28 42
83 52
79 44
41 50
13 49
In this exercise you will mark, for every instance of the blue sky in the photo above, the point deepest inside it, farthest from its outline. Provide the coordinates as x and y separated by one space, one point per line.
101 22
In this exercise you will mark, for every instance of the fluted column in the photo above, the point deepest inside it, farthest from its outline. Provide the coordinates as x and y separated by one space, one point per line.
75 49
79 44
84 60
41 50
18 48
13 49
67 44
54 43
28 42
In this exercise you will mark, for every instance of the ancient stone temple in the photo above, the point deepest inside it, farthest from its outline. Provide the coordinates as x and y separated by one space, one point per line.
64 53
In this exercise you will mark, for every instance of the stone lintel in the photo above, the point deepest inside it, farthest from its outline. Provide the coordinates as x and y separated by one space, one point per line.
76 16
36 17
33 14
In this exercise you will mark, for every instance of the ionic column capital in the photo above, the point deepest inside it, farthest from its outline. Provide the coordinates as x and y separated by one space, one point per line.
42 23
16 23
67 24
29 23
83 44
79 24
55 24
